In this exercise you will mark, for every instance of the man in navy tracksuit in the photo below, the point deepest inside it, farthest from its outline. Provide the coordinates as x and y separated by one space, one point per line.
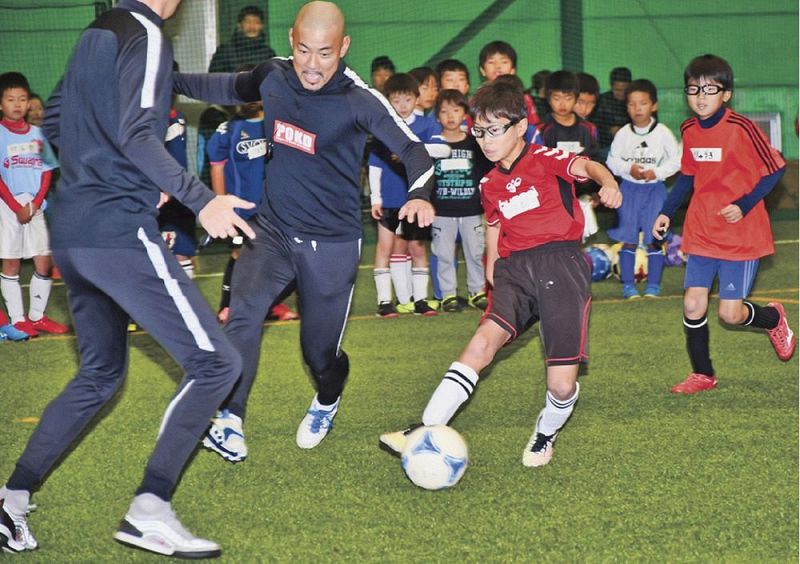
317 115
109 116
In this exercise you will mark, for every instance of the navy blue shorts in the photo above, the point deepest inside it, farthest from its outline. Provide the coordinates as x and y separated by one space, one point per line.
641 204
179 240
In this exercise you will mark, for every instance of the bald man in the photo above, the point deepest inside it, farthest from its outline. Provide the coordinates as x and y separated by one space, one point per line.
317 115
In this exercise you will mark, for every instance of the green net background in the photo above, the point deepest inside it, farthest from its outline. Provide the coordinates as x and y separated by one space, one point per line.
655 39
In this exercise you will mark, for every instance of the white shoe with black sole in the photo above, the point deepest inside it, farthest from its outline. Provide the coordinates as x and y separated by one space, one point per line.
165 535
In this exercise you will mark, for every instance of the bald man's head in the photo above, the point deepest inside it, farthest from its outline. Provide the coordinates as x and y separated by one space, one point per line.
318 42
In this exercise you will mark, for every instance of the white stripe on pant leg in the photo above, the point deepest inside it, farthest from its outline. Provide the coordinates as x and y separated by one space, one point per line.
174 290
347 311
171 407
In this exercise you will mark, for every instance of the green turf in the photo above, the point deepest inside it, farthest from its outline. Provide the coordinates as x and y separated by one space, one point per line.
638 474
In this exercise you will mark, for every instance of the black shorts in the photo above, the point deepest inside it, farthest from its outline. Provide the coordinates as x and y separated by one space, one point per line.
408 231
550 284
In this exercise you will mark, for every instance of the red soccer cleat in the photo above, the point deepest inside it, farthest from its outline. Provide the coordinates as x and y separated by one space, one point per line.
781 336
281 312
47 325
26 326
695 383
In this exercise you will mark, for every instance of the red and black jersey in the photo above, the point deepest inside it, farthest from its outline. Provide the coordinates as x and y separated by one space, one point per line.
534 201
726 160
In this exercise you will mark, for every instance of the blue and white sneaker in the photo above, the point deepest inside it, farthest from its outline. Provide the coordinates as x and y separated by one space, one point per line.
316 424
629 292
226 437
11 333
652 291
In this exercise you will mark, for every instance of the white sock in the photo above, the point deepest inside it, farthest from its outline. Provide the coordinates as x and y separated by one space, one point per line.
316 405
15 501
12 294
40 294
419 280
400 278
456 387
409 276
383 284
146 506
188 267
556 412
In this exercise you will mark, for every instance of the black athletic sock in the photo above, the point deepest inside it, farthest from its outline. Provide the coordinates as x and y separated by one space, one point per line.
225 299
697 345
762 317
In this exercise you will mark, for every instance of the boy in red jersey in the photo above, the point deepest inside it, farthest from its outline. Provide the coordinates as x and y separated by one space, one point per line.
731 167
534 263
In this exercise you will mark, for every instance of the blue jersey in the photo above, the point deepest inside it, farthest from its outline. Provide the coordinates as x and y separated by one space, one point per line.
394 182
114 164
24 157
240 145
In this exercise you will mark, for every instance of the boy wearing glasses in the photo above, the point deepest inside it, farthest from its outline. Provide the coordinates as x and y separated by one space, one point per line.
730 167
534 264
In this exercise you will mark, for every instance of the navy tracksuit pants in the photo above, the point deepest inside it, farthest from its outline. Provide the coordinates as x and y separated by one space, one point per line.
105 287
324 275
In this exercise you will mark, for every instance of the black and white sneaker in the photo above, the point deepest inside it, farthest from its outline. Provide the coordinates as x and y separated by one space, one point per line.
164 535
15 536
386 310
423 308
539 450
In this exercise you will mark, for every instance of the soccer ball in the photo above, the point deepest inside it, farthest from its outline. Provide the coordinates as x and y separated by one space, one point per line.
435 457
601 263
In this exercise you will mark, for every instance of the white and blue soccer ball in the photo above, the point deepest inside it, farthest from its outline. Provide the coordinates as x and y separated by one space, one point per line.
435 457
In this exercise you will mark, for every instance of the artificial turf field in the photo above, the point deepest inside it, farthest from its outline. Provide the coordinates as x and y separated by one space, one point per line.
638 475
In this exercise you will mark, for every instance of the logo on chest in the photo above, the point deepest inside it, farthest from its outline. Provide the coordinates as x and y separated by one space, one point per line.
295 137
522 202
707 154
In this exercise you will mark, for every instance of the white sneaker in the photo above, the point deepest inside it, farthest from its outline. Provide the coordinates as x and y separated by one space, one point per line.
316 424
15 536
395 442
539 450
226 437
165 535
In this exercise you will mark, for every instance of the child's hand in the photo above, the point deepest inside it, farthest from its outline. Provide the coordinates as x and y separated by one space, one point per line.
376 212
648 174
660 227
24 214
732 213
636 172
610 196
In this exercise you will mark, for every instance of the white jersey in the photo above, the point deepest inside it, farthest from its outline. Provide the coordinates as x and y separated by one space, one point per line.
653 147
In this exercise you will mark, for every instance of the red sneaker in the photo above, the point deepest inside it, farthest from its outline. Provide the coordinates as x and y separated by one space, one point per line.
781 336
47 325
27 327
695 383
282 312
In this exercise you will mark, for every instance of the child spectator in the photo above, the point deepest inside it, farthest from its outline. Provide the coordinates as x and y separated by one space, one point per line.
562 128
534 263
612 112
247 45
388 193
35 115
588 92
24 182
237 154
499 58
381 69
428 89
538 87
458 205
729 167
453 74
644 153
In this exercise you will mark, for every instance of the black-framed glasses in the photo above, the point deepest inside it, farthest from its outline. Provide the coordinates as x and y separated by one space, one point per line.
707 89
492 130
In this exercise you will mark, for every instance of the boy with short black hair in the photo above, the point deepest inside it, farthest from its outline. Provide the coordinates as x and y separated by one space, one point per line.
644 153
381 69
562 128
588 92
428 88
729 167
453 74
498 58
27 164
458 205
611 113
534 263
388 193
